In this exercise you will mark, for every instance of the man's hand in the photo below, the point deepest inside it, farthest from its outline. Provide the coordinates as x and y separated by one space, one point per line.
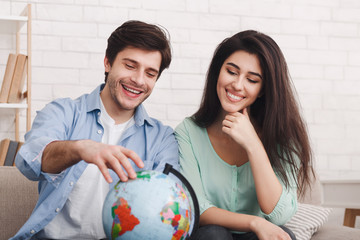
59 155
110 157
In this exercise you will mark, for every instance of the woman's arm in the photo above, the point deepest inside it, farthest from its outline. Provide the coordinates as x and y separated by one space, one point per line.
268 188
267 185
243 223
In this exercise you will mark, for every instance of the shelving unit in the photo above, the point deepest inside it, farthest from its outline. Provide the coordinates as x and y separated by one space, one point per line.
13 25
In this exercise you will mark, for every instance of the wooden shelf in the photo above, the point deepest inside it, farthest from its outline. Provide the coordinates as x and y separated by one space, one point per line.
13 25
14 18
14 105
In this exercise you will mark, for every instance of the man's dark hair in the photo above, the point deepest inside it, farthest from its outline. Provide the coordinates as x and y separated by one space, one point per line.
140 35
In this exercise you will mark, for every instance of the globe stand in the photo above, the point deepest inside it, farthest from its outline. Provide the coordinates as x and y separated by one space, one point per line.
169 169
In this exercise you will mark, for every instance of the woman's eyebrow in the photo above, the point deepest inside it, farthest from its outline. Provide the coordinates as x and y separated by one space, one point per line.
237 67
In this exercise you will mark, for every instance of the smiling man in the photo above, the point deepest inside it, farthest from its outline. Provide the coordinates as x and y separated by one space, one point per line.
77 147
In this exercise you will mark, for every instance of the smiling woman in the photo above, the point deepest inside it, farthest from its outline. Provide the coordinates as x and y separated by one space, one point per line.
240 82
245 147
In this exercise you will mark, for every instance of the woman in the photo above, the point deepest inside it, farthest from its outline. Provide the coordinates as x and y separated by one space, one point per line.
246 151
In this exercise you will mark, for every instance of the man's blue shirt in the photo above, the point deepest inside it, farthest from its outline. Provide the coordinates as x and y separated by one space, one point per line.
67 119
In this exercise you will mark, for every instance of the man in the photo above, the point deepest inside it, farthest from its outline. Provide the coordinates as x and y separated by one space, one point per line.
73 143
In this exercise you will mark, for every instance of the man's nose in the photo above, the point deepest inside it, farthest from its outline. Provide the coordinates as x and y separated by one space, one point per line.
138 77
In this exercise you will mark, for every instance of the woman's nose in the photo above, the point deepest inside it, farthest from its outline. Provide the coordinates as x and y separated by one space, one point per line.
238 84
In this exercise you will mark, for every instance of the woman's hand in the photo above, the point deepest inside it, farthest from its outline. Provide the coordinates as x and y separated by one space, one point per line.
239 127
266 230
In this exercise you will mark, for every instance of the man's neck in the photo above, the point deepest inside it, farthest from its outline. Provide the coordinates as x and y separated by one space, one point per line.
117 114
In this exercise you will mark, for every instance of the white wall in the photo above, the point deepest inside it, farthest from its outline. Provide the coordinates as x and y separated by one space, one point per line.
320 40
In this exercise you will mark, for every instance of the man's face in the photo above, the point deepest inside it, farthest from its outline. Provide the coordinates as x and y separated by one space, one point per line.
131 77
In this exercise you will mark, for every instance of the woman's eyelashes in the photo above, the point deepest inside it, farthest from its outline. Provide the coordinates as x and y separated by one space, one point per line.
234 73
252 81
231 72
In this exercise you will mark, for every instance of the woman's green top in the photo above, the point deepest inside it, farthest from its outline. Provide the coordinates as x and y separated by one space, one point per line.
218 184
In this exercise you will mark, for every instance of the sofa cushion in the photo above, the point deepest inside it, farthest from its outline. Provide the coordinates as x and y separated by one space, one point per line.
307 220
18 197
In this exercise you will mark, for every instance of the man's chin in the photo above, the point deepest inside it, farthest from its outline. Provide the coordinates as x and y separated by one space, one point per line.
129 107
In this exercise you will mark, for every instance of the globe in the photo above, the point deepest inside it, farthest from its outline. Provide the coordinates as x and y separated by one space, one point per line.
152 206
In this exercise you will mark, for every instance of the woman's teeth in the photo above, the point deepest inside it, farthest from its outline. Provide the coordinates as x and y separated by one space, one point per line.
233 96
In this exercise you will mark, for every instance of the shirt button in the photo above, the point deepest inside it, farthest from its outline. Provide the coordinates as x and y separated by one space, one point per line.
57 210
99 131
98 113
71 183
32 231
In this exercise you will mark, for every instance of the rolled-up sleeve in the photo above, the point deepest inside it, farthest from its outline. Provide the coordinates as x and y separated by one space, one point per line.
50 124
286 207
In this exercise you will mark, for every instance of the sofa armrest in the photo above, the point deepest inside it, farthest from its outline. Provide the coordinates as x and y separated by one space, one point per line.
18 197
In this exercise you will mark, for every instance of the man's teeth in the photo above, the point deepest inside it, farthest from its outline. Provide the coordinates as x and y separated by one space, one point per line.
233 96
131 90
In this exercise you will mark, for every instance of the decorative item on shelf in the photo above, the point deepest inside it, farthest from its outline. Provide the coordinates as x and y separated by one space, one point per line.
8 75
18 80
8 150
10 156
4 145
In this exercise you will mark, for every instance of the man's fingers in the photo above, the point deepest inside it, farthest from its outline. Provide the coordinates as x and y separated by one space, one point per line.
117 166
105 172
133 156
122 161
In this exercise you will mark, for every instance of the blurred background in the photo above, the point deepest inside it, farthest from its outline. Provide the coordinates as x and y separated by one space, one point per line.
319 38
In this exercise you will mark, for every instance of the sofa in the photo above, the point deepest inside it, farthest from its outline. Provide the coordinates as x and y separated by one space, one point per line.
18 197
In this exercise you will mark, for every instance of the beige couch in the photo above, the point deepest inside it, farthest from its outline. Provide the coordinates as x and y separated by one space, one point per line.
332 229
18 197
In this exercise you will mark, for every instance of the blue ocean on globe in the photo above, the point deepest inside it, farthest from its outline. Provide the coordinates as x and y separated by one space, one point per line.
152 206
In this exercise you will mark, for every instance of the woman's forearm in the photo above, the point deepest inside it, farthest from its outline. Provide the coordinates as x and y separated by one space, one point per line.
267 185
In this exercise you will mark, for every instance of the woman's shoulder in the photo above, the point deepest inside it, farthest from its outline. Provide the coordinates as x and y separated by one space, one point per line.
188 123
190 128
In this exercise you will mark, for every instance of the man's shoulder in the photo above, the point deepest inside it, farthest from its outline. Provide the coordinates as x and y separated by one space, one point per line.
159 125
67 102
86 100
80 101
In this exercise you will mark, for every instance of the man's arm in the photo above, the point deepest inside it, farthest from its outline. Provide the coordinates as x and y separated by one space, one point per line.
168 151
59 155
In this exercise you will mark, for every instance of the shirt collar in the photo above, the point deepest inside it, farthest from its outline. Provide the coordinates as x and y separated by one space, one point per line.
93 103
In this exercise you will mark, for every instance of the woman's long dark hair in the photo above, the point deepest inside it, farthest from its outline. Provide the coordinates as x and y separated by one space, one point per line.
282 130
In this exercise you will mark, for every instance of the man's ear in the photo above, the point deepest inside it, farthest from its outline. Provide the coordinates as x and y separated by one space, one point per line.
107 64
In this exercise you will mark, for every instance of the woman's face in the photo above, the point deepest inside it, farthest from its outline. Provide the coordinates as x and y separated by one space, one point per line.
240 81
